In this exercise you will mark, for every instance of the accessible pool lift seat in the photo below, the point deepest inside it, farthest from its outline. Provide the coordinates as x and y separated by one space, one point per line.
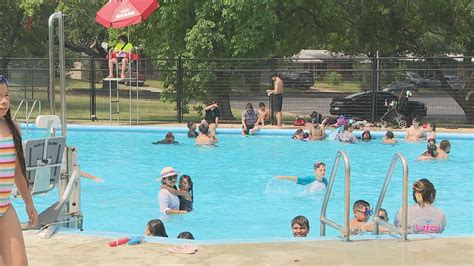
48 166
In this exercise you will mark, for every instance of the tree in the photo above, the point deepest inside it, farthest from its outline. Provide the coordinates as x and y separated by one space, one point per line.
199 30
394 28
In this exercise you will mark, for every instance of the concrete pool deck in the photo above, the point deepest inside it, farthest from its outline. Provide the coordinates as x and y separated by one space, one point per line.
64 249
468 130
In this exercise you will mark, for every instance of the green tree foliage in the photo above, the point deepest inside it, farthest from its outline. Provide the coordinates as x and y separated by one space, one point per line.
25 31
195 29
209 29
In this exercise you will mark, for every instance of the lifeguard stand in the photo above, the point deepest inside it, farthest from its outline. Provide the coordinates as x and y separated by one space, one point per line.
132 77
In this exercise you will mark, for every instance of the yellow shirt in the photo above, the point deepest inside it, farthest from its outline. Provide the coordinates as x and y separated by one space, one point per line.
120 47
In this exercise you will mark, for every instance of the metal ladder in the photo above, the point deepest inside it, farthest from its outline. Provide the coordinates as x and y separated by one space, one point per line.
114 98
344 230
399 230
28 111
132 77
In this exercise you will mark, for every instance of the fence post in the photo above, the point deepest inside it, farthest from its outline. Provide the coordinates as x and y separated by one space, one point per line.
179 90
93 105
375 86
4 67
272 66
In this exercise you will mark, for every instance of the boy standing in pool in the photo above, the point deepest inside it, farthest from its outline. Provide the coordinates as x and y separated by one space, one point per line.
313 183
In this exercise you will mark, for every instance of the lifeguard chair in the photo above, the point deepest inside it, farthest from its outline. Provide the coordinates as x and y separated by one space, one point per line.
133 77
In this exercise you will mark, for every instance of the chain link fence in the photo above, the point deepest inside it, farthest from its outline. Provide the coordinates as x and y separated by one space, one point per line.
177 90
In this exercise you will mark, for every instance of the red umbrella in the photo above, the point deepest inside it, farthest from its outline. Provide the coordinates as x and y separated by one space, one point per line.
122 13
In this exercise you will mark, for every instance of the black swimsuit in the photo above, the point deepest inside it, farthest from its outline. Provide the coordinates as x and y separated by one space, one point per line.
185 205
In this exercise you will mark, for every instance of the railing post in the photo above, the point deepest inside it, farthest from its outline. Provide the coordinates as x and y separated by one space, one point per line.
93 103
344 230
179 90
375 86
272 66
403 230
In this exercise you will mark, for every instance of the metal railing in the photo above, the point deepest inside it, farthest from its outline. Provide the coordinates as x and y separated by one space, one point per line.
62 69
23 101
31 111
28 111
403 229
344 230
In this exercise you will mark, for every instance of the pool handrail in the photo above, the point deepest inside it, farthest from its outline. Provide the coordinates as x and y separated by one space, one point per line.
403 229
52 69
344 230
23 101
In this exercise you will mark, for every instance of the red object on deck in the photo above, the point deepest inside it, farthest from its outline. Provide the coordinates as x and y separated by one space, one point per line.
119 242
122 13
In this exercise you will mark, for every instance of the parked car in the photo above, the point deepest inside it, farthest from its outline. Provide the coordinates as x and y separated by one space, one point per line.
455 82
422 82
398 86
358 105
297 79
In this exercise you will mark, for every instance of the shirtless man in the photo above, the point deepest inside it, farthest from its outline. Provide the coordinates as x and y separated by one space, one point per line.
436 153
204 138
277 97
444 149
316 130
415 132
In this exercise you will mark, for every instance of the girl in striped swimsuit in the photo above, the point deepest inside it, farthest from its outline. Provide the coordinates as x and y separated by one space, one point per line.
12 171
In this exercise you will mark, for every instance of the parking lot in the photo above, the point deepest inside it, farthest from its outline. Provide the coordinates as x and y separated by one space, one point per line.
440 107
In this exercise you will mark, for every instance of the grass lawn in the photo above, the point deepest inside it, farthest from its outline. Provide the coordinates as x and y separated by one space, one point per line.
342 87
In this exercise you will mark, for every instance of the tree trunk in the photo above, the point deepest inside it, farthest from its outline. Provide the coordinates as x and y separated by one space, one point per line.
222 95
253 80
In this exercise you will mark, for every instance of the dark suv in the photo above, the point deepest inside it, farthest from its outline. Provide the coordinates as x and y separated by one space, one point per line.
297 79
358 105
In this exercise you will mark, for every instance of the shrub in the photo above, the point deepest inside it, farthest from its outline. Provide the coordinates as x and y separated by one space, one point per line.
334 78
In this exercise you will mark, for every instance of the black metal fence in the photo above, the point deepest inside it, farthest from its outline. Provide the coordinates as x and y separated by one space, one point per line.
178 89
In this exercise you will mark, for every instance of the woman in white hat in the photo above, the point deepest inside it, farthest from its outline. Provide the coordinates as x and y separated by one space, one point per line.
169 203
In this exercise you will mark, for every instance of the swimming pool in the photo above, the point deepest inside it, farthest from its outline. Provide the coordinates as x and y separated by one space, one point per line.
236 193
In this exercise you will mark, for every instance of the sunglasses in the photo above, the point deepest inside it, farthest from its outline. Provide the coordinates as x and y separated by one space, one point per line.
3 79
171 178
366 212
382 217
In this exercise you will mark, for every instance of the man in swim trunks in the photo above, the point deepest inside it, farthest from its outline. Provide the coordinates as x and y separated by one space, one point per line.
277 97
314 182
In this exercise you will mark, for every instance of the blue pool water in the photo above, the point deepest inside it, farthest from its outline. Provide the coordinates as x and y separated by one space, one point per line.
236 193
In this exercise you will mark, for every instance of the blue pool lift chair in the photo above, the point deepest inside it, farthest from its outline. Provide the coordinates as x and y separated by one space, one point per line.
47 169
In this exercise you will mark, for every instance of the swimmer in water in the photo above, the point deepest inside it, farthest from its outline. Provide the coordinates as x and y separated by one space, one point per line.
313 182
